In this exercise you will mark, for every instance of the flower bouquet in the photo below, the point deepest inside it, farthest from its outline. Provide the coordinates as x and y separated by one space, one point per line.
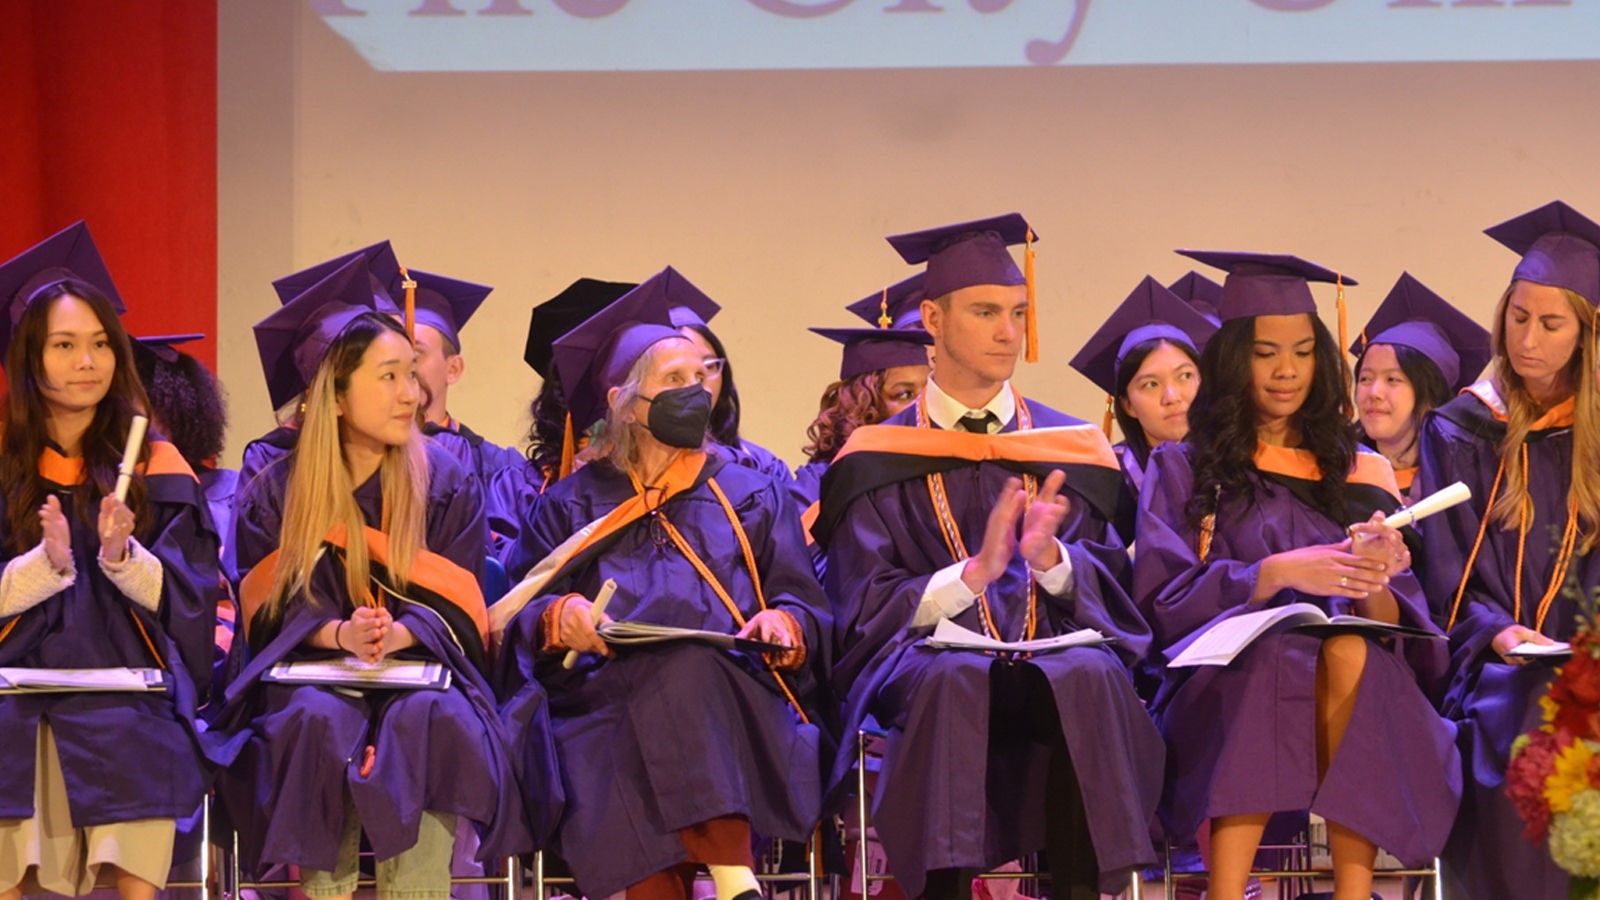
1554 776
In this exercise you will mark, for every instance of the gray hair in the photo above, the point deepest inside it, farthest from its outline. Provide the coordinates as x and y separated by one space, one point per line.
617 441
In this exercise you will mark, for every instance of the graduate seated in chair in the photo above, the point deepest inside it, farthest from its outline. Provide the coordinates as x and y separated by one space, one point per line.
93 783
990 757
1414 355
1501 568
1254 509
674 755
364 542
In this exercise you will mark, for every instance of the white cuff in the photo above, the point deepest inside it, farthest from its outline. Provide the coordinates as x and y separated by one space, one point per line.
138 576
1056 580
945 597
30 579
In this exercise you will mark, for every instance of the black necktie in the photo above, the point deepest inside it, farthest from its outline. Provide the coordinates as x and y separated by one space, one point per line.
977 424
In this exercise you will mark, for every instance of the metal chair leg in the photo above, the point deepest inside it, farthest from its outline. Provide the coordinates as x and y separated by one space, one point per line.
1166 868
205 848
861 814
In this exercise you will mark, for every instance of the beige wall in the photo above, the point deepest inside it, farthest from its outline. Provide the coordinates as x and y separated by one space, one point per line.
772 190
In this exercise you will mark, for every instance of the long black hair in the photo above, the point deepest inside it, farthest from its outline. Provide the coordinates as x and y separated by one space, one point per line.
1427 383
1222 422
24 433
725 415
1132 432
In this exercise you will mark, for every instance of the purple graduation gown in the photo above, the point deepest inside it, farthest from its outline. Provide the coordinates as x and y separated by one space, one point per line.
124 756
1132 472
294 753
806 488
510 483
754 456
657 739
1491 701
947 796
219 486
1241 738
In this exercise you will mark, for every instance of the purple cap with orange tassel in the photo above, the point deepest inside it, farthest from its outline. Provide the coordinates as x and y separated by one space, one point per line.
968 254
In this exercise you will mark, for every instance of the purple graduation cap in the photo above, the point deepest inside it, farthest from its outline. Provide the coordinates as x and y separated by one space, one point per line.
68 255
897 306
1150 312
1560 247
972 253
693 308
165 346
876 349
380 259
1265 284
1201 293
294 339
596 355
564 312
1414 316
444 303
896 338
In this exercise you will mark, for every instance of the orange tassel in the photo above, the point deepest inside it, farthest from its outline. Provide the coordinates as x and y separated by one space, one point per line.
567 450
1031 351
1105 423
1344 342
410 285
1344 323
883 310
369 758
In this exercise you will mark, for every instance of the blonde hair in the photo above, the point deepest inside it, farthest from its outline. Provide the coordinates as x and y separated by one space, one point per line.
321 494
617 441
1522 411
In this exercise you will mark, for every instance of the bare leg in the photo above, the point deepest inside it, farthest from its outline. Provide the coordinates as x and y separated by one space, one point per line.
1339 668
132 887
1353 858
1234 840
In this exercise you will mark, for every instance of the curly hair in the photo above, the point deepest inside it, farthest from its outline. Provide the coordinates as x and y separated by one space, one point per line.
1222 422
188 403
845 406
548 413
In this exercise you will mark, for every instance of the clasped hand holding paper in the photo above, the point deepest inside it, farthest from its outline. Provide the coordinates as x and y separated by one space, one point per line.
1220 644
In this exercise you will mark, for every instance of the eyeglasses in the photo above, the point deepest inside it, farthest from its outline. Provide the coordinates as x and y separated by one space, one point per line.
714 366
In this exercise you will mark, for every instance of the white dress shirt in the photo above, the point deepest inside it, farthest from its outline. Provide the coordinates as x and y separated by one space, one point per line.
946 595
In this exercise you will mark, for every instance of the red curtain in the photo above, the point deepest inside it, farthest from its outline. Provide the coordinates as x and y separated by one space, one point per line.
110 115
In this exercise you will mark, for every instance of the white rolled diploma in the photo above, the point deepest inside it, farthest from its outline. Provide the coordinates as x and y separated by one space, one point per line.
595 612
130 456
1438 501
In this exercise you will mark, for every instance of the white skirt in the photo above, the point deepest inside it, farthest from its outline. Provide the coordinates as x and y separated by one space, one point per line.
46 853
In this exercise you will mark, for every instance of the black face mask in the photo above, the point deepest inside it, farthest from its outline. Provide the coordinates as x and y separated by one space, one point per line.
678 417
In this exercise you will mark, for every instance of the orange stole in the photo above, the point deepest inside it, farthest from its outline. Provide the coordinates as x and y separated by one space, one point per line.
1369 469
68 470
1084 444
1405 478
1559 416
681 475
429 570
